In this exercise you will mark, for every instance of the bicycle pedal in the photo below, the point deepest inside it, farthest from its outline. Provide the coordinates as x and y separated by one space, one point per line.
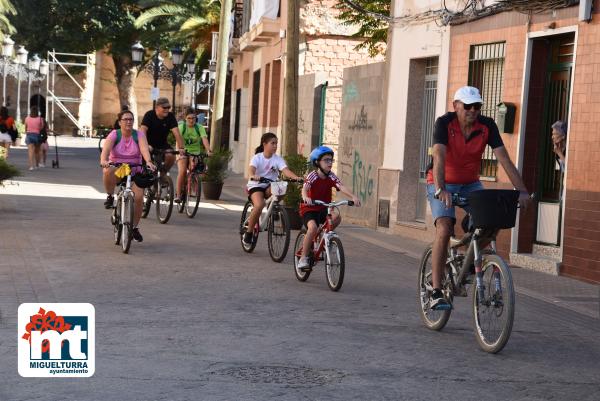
306 269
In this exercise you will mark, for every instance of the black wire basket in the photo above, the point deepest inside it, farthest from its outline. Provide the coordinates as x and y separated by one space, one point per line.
493 208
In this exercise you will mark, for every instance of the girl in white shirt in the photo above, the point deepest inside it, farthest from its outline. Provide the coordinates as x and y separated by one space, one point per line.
267 164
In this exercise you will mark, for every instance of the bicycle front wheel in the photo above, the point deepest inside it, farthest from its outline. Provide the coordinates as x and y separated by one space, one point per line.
164 199
116 221
148 198
493 313
192 199
127 224
278 235
244 226
335 264
433 319
300 275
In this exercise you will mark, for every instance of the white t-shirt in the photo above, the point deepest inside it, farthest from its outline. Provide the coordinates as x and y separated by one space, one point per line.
267 168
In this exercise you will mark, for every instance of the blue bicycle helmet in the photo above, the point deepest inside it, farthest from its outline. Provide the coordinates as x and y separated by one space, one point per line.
318 153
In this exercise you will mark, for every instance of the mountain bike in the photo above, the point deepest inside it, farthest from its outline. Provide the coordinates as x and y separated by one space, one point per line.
493 291
274 220
190 194
162 191
122 215
327 246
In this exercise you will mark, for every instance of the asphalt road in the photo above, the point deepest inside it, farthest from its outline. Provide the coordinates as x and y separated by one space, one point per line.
189 316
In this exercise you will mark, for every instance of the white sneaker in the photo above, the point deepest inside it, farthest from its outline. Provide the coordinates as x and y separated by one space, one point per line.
41 165
31 168
302 265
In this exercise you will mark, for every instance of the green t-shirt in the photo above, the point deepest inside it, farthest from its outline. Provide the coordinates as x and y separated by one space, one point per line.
192 138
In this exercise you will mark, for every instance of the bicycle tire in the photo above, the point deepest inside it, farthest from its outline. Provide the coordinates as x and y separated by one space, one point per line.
164 200
116 220
244 220
279 226
127 224
335 264
148 198
433 319
500 304
301 276
193 193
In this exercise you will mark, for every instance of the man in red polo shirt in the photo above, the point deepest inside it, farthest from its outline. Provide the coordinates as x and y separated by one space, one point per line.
459 140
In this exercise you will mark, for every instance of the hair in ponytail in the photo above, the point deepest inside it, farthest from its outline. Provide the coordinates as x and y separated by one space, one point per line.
265 138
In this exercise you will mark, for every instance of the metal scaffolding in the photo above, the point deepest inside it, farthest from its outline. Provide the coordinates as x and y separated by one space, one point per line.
54 99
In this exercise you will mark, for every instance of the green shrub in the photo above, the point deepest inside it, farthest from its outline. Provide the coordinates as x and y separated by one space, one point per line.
216 166
299 165
7 171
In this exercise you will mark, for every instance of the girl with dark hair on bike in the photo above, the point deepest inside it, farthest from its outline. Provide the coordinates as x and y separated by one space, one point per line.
267 164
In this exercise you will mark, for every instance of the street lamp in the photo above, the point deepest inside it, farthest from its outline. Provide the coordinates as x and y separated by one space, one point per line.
33 67
7 50
21 61
158 69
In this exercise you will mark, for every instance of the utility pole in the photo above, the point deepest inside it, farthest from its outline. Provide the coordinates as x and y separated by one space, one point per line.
216 124
290 130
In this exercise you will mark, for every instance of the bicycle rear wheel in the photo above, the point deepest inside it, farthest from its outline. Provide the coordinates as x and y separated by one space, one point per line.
278 235
433 319
127 225
192 199
335 264
302 275
493 313
164 199
243 227
116 220
148 198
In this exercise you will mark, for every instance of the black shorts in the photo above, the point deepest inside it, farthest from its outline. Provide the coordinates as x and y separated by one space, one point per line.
256 189
319 217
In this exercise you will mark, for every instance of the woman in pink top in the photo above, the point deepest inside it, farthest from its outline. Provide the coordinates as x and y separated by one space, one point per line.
127 150
33 125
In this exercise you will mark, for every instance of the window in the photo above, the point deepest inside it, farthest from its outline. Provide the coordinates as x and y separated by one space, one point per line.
266 96
275 86
238 108
486 70
255 98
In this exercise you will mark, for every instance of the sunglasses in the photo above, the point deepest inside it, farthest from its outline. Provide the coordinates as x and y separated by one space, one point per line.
476 106
327 160
127 119
166 107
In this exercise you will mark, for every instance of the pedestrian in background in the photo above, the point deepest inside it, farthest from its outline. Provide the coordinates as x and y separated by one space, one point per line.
7 125
34 124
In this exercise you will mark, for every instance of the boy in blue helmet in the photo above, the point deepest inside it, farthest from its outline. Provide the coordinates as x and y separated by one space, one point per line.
317 186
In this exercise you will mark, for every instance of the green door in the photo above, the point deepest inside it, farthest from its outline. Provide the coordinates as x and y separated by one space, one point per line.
556 107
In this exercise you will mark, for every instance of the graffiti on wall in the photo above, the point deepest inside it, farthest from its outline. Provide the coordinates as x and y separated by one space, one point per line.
361 120
350 93
362 182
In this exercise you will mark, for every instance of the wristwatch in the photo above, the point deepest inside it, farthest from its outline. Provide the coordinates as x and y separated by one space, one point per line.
438 191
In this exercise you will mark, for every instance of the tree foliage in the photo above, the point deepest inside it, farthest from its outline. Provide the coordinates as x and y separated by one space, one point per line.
371 28
6 9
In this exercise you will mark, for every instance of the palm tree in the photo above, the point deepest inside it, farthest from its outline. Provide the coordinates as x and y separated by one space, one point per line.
188 21
6 9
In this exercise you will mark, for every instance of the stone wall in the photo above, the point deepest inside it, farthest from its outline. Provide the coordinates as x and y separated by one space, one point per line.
361 133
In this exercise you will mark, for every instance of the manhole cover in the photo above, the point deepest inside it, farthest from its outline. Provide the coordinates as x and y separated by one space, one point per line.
287 375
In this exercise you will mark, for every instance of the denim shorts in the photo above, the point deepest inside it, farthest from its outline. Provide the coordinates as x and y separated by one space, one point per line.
438 209
32 139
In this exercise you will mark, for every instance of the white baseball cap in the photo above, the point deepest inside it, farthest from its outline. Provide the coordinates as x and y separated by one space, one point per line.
468 95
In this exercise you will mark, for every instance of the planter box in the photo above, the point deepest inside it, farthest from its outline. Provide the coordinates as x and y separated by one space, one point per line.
294 217
212 190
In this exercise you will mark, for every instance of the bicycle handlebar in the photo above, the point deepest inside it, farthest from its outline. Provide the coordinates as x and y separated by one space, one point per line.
117 164
462 201
265 180
339 203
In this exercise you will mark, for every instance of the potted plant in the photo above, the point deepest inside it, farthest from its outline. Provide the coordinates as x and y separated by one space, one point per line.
299 165
216 172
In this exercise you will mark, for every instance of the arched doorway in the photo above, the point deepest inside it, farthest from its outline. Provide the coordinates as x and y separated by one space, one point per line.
39 101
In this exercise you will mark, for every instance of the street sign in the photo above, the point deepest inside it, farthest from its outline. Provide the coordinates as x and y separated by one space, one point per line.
154 93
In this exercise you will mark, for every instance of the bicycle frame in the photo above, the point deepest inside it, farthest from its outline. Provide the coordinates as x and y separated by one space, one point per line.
473 255
324 235
264 217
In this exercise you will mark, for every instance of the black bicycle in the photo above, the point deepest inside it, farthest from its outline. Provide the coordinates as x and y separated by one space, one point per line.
493 290
190 193
162 192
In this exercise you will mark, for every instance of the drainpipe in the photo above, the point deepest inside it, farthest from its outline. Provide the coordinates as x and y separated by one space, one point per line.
322 114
